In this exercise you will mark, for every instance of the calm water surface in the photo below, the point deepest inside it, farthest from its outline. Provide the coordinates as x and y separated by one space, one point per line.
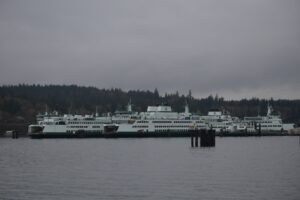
165 168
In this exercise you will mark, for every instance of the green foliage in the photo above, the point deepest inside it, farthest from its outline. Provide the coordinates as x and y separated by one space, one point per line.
10 105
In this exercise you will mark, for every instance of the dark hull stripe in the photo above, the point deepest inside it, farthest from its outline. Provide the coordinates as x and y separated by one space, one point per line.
145 134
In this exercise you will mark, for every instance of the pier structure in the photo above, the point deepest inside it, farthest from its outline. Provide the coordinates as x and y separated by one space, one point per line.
204 137
14 134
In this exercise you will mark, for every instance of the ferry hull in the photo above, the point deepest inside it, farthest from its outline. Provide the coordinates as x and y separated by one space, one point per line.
65 135
111 135
147 134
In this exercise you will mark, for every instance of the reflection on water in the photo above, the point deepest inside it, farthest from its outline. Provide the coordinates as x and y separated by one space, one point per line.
158 168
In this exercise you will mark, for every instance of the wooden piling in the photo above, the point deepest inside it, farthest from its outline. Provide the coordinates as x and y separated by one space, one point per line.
196 141
14 135
207 138
194 138
212 134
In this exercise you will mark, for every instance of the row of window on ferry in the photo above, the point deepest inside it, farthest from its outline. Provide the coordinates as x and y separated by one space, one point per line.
85 122
83 126
270 125
181 126
168 122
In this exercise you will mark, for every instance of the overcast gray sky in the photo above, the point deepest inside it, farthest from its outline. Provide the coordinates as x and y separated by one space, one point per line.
234 48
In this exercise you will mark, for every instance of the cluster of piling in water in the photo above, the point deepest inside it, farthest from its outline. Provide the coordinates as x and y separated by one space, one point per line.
207 138
14 134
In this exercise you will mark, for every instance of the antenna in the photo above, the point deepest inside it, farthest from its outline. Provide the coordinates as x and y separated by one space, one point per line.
129 107
46 107
97 111
186 108
269 112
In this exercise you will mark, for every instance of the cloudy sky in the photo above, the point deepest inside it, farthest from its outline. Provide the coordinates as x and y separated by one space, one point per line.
235 48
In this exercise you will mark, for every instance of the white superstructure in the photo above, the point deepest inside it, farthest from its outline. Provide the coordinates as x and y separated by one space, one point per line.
269 123
161 119
156 121
222 121
123 117
69 124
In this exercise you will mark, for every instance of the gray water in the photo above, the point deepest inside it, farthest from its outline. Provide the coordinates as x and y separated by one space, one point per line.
158 168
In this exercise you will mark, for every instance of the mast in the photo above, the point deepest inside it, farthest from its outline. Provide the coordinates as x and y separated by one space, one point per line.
186 108
129 106
97 115
46 112
270 109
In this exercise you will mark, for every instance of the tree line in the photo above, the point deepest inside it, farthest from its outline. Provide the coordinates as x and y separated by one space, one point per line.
22 102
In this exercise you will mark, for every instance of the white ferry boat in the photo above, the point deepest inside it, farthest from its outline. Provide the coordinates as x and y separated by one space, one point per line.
68 126
222 121
158 121
271 123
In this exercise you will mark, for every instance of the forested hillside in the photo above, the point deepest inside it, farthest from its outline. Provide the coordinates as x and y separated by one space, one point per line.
20 103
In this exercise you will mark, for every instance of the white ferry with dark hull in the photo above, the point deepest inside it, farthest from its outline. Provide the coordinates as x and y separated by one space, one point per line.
155 128
157 121
271 124
222 122
68 126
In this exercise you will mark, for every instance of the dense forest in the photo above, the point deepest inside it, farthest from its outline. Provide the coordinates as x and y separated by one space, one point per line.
20 103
